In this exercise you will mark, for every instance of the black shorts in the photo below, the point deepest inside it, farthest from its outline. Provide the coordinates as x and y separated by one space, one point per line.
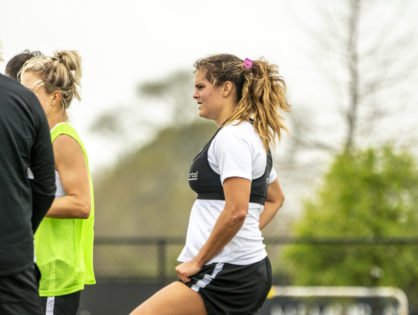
233 289
61 305
19 293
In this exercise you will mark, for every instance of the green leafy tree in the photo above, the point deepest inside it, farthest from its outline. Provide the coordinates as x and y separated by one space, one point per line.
367 194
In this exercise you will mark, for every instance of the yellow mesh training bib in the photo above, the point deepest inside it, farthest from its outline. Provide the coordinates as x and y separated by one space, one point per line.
64 247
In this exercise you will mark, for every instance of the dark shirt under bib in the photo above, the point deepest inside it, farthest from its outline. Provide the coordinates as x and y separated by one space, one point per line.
207 183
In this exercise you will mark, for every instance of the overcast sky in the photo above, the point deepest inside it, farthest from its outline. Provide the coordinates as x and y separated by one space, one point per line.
123 43
126 42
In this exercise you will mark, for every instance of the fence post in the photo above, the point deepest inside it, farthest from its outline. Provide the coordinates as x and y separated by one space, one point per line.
161 259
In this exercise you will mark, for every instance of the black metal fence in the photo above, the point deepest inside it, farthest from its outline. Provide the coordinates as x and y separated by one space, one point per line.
153 259
136 259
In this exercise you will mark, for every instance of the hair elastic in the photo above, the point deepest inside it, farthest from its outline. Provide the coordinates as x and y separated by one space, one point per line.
248 63
59 58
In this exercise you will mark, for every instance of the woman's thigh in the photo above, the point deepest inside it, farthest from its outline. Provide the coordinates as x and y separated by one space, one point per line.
176 298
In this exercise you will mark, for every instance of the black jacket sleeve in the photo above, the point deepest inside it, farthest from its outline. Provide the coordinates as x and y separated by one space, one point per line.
40 205
42 167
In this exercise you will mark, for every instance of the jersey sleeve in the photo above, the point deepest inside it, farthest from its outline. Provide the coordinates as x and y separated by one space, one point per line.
272 176
232 156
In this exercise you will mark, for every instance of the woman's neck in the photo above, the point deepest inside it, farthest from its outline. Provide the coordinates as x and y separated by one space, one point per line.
227 112
55 119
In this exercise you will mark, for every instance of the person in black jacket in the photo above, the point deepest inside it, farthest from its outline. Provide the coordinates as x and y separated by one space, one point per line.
27 189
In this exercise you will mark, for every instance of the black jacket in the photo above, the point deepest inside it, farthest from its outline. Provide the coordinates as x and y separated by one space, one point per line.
25 142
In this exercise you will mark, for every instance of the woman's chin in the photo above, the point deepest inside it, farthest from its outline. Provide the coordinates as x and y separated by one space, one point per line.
202 113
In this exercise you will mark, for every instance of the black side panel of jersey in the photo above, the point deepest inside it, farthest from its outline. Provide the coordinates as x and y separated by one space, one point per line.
207 183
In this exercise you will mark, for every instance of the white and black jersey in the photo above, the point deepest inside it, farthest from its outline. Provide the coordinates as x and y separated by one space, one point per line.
236 150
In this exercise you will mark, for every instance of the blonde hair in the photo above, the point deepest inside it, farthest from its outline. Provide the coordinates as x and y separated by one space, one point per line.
260 92
61 72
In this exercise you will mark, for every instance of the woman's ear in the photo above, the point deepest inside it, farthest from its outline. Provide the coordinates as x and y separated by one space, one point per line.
56 97
227 88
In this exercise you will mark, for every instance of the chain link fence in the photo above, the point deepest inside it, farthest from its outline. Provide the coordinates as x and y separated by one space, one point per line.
154 259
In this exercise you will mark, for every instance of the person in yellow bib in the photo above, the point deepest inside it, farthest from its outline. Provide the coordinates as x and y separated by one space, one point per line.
64 239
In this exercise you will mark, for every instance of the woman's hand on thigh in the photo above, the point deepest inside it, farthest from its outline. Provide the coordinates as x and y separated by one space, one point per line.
187 269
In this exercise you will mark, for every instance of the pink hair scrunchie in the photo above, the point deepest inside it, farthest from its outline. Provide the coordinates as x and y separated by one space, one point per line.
248 63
